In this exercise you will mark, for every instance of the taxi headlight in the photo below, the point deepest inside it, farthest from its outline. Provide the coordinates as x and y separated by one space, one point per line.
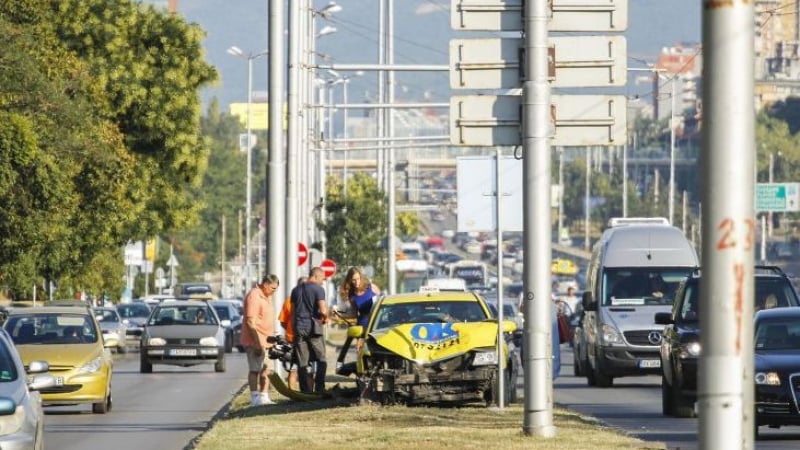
13 422
484 358
92 366
209 341
155 341
768 378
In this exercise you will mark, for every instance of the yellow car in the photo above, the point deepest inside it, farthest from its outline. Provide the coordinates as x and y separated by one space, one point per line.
432 347
70 340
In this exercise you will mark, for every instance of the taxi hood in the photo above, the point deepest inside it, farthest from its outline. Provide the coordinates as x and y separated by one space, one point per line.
430 342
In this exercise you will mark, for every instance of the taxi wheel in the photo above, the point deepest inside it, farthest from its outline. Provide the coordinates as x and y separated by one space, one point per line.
104 406
122 349
144 364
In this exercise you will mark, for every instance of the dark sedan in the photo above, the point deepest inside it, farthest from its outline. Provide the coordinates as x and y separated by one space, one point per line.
777 367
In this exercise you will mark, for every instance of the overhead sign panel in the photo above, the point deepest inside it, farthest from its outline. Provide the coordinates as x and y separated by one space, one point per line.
577 120
568 15
577 61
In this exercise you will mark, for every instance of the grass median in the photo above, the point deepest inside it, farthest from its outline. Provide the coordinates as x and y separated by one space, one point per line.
342 423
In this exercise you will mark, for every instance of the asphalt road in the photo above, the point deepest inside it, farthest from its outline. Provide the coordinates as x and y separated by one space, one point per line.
164 410
634 405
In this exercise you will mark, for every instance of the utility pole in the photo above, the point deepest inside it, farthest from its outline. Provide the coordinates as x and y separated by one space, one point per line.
725 395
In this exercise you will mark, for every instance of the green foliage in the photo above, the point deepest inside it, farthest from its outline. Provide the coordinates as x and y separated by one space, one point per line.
355 226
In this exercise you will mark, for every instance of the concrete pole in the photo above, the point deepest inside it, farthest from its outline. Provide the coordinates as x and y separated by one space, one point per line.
560 196
320 200
537 230
498 220
587 214
625 178
248 207
672 154
344 138
379 129
771 173
725 376
276 165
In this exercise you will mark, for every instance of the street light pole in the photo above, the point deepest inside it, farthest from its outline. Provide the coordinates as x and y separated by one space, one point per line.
672 153
236 51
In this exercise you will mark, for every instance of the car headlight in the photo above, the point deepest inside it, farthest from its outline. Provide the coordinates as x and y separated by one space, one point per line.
11 423
768 378
156 341
690 350
209 341
92 366
609 335
484 358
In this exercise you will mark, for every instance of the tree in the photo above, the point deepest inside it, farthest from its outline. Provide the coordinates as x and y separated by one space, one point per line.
355 225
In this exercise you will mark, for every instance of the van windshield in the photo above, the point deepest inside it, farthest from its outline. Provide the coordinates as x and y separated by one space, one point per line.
641 286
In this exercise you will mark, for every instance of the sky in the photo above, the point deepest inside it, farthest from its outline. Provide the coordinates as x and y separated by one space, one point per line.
422 37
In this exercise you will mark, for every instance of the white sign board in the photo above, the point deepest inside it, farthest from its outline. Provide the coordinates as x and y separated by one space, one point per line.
134 253
476 188
485 120
568 15
589 120
577 120
579 61
245 143
588 61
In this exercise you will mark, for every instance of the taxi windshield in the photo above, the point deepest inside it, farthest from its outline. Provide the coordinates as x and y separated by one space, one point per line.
428 312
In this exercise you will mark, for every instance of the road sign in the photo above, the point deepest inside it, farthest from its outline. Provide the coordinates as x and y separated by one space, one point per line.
577 120
302 254
777 197
328 267
568 15
576 61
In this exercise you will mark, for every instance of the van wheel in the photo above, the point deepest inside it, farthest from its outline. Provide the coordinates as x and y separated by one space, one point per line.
144 364
577 365
219 366
601 379
681 405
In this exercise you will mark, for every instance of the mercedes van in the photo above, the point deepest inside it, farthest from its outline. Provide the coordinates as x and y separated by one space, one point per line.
634 271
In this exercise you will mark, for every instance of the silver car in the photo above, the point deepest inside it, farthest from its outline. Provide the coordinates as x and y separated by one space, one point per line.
21 416
114 329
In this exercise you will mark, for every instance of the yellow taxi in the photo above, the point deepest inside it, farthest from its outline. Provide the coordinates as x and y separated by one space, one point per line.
70 340
432 347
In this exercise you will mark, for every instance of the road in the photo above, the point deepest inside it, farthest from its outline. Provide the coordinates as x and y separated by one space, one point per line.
634 405
164 410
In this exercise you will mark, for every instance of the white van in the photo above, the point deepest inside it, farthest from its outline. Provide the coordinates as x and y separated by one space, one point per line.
633 273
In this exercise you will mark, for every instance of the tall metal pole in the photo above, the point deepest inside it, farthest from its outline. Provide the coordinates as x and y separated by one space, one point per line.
560 195
587 215
248 208
672 155
725 376
769 214
390 187
625 178
344 137
293 135
537 231
380 132
276 166
498 216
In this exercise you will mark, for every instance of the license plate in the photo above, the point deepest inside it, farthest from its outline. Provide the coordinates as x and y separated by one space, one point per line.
650 363
183 352
59 381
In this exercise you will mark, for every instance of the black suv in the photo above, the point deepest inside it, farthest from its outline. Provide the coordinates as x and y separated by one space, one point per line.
680 345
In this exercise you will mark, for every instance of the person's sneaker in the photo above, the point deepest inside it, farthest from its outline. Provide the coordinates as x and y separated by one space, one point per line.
255 400
265 400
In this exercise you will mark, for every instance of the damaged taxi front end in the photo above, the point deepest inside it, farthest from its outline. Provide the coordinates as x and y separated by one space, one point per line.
434 348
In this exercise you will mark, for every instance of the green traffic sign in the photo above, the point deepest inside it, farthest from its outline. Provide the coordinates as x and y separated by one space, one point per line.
777 197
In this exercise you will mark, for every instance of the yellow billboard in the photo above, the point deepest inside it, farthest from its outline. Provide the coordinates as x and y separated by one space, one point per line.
259 115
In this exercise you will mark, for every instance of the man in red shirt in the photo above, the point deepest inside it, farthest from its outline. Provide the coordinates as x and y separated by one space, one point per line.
259 320
285 318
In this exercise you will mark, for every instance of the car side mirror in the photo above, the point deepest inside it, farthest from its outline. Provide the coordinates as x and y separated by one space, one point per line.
509 326
588 301
38 367
225 323
355 331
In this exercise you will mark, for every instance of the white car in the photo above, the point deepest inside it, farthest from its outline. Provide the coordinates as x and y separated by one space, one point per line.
473 247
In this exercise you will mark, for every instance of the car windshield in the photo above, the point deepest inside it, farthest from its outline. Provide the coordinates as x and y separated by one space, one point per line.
223 312
770 292
641 286
428 312
777 334
130 310
51 328
106 315
8 370
182 315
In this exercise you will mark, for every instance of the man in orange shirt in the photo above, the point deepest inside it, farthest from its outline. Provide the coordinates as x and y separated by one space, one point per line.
285 318
259 319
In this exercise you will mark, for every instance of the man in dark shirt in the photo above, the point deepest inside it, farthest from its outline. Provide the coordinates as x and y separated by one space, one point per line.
309 314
